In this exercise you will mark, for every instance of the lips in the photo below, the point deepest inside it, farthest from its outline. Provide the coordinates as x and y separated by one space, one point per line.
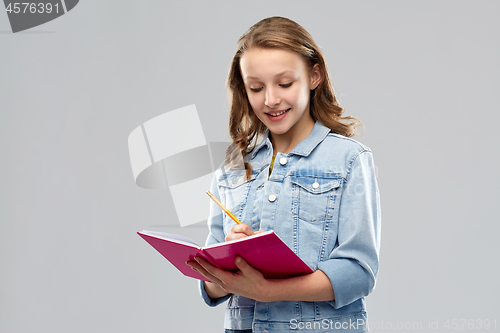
278 113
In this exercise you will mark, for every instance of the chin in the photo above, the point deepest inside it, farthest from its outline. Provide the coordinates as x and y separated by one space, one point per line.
278 130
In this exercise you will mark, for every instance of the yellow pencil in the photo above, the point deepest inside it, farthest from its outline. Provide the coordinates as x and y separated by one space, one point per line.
223 208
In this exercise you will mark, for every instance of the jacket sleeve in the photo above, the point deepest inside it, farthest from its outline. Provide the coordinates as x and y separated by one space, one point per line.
216 235
352 266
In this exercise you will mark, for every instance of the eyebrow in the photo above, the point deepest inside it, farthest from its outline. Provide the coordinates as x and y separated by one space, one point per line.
277 75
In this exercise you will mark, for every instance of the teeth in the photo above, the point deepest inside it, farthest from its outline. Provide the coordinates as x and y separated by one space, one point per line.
277 114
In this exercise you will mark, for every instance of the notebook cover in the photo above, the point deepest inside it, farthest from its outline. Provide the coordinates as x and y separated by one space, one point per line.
265 251
176 253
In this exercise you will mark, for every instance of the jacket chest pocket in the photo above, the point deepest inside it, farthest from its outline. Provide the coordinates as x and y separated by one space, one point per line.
314 198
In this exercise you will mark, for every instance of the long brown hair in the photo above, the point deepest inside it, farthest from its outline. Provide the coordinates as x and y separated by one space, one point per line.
281 33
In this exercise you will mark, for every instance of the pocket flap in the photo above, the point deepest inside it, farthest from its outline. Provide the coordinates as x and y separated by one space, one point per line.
316 185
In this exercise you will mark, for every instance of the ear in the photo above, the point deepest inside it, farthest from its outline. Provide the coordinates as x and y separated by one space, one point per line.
316 77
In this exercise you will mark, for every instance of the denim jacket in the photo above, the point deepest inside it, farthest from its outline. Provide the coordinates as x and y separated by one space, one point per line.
322 200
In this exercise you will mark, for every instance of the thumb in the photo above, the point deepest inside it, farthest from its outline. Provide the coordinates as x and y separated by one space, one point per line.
247 270
242 265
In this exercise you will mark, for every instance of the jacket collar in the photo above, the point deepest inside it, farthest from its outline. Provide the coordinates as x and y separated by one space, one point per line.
266 142
305 147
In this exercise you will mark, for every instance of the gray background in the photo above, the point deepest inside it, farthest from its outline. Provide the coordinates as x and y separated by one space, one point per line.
423 76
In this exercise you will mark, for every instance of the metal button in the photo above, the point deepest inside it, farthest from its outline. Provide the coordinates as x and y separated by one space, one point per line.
272 197
315 184
283 160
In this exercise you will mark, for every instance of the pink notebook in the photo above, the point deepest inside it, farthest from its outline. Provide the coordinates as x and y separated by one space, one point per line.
264 251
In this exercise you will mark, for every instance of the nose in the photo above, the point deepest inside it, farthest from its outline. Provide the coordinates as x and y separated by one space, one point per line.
272 97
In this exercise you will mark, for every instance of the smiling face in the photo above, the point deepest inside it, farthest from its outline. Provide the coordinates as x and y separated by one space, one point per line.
278 84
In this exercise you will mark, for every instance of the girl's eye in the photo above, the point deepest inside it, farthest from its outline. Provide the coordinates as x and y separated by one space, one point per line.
256 89
286 85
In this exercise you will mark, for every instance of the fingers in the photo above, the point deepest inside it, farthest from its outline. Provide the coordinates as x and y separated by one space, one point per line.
243 266
242 228
239 231
247 281
211 269
205 268
198 268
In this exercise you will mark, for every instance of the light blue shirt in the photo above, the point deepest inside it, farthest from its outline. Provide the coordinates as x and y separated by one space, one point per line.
322 199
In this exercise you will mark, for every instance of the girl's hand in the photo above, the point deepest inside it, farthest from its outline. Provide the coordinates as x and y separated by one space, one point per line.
239 231
247 281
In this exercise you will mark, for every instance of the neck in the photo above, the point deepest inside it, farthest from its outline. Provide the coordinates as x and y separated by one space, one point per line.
284 143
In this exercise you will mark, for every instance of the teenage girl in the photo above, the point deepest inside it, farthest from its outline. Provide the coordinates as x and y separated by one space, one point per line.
306 180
